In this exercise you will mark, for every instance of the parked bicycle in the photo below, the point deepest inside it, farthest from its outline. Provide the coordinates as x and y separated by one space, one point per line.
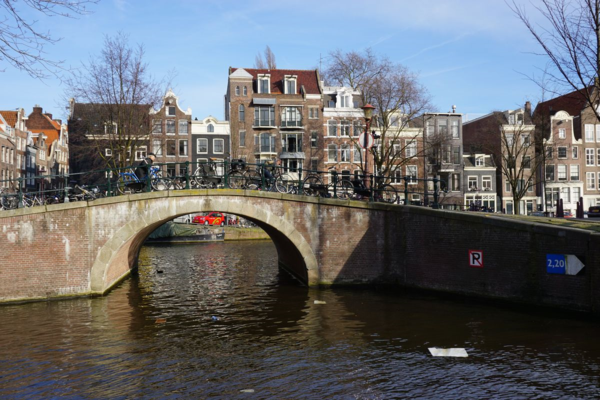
130 183
382 192
270 178
206 175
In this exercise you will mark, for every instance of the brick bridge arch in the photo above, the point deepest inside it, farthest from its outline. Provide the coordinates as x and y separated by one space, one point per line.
119 254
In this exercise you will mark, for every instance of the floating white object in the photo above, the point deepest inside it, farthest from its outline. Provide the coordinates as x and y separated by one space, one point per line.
247 391
448 352
320 302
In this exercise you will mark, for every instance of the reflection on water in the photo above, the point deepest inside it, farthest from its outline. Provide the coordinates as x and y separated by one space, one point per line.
212 320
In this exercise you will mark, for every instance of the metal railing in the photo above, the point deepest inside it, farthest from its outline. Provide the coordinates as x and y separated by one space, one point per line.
236 174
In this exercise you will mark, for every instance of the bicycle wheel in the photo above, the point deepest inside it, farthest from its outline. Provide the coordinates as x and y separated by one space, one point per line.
285 183
236 179
312 185
387 194
252 180
344 189
161 184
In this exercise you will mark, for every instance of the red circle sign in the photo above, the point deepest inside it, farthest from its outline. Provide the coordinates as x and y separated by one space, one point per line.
370 140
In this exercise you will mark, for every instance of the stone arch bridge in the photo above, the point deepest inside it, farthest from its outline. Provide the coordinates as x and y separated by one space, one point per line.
85 248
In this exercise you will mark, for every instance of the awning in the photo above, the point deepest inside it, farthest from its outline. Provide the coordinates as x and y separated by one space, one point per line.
292 155
262 101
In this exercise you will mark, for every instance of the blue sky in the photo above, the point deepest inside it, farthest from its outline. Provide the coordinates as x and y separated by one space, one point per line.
472 53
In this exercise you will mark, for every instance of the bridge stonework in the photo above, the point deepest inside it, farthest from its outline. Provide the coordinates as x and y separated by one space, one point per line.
79 249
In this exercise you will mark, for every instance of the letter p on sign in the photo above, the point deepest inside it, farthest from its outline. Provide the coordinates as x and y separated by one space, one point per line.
476 258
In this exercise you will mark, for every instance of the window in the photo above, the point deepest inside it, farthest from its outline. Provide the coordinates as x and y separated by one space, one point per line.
345 153
549 152
314 164
183 147
486 183
332 153
358 128
108 152
201 146
576 193
264 116
589 133
242 113
562 133
589 156
597 133
266 143
345 128
357 155
394 121
242 138
183 127
527 162
218 146
171 147
590 179
332 128
411 148
313 112
550 172
140 153
456 155
237 90
157 126
562 172
411 173
157 147
511 119
292 142
291 117
454 128
525 140
170 126
245 91
565 194
314 136
331 104
110 128
575 152
430 127
290 85
552 196
263 83
442 127
171 111
210 128
509 139
574 172
562 152
479 162
472 180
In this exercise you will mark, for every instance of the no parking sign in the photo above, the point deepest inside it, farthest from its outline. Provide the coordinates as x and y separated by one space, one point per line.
476 258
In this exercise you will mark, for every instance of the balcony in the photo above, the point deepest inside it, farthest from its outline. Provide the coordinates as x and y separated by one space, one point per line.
291 124
264 123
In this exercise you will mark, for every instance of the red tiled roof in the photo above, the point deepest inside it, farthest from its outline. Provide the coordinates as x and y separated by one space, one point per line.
306 78
10 117
51 134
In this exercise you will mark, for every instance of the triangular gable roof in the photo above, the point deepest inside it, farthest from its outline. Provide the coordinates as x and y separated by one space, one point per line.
240 73
306 78
10 117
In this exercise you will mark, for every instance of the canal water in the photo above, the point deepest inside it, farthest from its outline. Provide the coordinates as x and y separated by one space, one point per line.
218 321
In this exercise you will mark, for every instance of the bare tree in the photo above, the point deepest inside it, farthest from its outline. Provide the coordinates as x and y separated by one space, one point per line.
22 44
266 61
395 93
115 93
571 42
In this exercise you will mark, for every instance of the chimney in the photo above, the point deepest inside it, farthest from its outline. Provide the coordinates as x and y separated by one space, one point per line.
528 107
37 109
48 115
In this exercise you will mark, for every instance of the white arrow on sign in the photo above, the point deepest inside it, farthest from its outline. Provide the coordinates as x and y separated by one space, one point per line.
574 265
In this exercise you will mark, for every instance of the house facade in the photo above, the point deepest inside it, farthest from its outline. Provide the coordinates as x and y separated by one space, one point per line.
274 114
170 139
210 139
480 178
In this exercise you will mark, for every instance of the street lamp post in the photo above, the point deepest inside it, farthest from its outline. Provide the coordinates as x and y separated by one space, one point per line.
368 110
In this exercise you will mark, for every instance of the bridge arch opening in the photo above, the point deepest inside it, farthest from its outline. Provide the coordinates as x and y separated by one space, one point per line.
120 254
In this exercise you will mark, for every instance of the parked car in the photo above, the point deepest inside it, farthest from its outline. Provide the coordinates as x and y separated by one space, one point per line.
593 212
537 214
213 218
568 214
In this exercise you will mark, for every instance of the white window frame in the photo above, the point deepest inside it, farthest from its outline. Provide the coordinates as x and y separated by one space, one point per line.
575 153
108 152
182 123
332 149
288 80
198 145
170 122
141 153
259 79
574 169
562 133
222 141
589 133
589 156
185 154
561 172
411 148
168 110
345 153
412 171
590 180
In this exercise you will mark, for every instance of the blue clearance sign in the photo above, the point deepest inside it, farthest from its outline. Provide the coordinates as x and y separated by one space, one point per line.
556 264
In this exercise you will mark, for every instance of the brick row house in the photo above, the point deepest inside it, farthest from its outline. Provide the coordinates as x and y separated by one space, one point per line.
570 135
35 145
275 114
171 135
509 138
